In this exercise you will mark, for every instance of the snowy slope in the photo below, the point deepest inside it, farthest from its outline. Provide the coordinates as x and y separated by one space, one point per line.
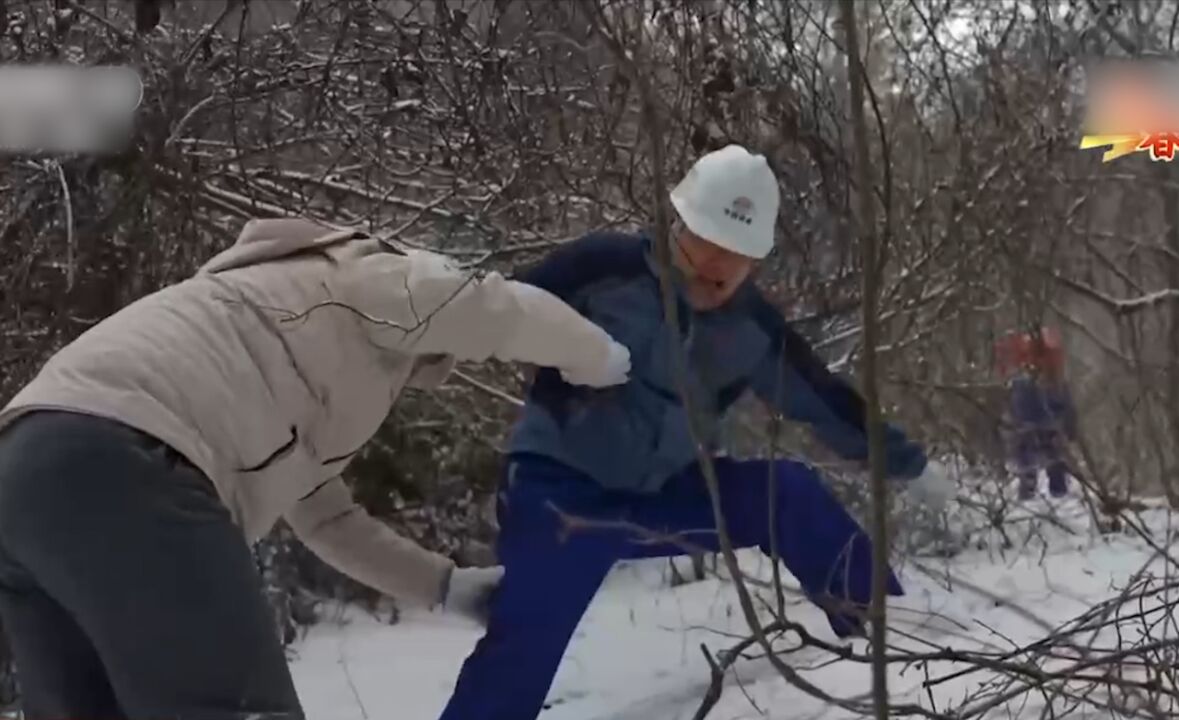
637 653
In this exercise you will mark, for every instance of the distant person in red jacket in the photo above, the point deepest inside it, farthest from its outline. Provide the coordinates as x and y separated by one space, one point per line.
1041 414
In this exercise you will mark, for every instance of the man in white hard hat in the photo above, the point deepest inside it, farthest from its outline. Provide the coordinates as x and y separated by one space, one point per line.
626 455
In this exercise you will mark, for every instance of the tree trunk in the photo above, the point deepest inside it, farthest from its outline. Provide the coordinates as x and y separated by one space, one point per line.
1171 215
866 227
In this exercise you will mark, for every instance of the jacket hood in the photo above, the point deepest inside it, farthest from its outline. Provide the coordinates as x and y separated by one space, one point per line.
263 240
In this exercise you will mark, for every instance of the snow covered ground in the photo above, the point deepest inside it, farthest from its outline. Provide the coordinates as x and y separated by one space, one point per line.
637 653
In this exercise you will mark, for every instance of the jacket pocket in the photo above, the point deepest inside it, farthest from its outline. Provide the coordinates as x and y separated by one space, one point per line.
277 456
337 463
676 449
615 439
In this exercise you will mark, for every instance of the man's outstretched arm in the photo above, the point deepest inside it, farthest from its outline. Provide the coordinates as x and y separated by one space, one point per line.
344 535
417 303
796 382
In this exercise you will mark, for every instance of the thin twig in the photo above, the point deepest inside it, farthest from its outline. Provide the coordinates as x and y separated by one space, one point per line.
71 242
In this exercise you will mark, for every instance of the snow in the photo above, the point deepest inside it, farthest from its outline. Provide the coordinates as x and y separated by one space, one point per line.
637 654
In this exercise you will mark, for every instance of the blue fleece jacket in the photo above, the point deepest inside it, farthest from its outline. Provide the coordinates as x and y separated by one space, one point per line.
635 436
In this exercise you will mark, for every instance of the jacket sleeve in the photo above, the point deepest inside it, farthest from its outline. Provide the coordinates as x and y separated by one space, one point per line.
418 303
342 534
793 380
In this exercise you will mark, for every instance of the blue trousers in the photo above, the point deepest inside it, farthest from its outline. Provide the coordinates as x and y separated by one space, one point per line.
551 573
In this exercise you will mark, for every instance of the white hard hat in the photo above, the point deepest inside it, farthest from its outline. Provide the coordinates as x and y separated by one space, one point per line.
730 198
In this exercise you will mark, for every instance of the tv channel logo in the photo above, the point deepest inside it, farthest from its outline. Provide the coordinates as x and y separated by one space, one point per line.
62 109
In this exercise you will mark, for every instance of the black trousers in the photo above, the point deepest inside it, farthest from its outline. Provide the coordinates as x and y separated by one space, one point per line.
126 590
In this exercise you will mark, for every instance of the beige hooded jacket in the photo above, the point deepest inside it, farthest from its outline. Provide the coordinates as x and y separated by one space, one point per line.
273 365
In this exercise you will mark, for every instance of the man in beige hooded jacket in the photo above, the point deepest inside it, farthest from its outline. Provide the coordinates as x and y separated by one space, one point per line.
136 467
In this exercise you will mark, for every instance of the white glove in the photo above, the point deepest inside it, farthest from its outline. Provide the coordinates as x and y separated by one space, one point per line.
934 488
614 372
468 592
